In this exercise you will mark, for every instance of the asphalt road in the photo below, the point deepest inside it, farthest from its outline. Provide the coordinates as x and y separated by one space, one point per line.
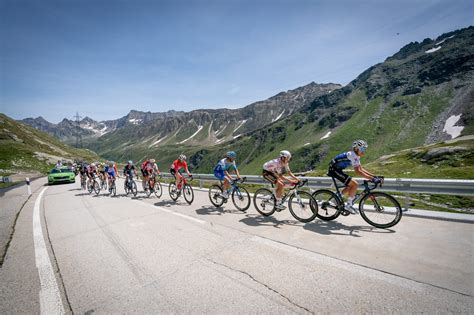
149 255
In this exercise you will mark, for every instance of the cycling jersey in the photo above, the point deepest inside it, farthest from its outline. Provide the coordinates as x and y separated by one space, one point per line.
111 171
149 167
178 165
129 170
276 166
91 169
346 159
222 166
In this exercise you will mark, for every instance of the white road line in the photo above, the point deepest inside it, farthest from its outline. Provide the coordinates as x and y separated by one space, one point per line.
50 298
176 213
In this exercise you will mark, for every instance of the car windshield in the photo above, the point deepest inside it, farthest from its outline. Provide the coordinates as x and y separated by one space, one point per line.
61 170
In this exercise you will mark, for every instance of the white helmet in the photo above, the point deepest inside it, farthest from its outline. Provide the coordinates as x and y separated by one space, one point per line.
286 154
360 145
182 157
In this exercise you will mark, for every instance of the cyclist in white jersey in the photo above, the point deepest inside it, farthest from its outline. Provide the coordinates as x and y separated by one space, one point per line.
273 172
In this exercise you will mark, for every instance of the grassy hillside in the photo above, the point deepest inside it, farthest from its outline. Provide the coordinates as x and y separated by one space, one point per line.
25 149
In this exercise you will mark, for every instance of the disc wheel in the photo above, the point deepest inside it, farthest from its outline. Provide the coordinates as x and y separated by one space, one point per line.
215 192
241 198
302 206
173 191
380 210
264 201
188 194
327 204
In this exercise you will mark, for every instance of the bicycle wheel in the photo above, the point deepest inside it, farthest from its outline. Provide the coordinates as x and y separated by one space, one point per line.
241 198
301 205
327 203
215 192
148 191
134 189
90 187
173 191
96 188
125 187
188 194
114 190
158 189
380 210
264 201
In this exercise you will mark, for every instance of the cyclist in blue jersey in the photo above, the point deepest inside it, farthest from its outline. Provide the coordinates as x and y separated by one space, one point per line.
344 160
111 170
223 169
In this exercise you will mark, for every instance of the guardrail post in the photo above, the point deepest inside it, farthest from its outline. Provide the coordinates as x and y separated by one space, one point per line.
28 187
200 183
407 201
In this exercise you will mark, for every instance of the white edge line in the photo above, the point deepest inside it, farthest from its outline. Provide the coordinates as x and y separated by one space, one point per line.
50 298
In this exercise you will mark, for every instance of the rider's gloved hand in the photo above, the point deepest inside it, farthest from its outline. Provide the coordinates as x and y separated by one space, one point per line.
376 180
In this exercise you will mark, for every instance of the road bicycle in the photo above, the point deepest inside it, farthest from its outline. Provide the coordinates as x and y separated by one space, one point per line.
240 195
112 187
130 185
377 208
103 181
155 185
93 185
184 189
300 203
83 182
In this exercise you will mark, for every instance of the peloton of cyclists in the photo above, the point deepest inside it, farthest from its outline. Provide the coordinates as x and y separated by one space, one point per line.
177 169
274 171
223 169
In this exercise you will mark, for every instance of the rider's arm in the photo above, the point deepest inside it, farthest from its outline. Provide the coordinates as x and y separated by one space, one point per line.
229 177
363 172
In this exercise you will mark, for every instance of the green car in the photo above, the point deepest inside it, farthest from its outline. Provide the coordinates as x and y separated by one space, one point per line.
61 175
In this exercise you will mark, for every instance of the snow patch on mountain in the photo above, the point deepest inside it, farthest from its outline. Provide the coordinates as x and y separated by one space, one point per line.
432 50
326 135
135 121
240 125
279 116
451 129
199 129
156 142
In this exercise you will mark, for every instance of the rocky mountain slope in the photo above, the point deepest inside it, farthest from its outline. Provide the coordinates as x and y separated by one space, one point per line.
421 95
25 149
208 127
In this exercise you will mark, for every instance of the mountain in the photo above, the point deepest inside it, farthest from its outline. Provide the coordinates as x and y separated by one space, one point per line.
413 98
197 127
25 149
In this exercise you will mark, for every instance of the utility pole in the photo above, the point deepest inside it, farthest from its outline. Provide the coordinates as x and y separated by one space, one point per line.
78 131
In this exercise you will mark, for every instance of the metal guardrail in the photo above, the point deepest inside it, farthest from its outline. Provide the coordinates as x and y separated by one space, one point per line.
402 185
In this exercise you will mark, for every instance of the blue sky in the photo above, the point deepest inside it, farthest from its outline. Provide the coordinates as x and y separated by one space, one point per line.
104 58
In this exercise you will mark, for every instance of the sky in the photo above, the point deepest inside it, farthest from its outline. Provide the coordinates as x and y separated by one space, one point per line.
103 58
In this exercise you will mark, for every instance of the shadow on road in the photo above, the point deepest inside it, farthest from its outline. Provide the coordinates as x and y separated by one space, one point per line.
166 203
258 220
337 228
75 189
212 210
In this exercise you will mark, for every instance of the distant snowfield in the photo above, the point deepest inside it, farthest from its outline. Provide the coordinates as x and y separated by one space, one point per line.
199 129
135 121
326 135
432 50
306 144
156 142
240 125
451 129
279 116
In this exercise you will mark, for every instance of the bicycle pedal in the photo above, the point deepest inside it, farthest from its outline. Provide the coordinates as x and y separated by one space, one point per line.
345 213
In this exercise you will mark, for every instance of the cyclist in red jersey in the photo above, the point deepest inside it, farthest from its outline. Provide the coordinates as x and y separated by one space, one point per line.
177 168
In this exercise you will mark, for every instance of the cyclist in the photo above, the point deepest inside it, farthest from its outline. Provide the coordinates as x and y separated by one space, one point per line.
344 160
91 171
101 170
142 169
222 169
111 170
149 169
83 171
129 170
274 170
177 168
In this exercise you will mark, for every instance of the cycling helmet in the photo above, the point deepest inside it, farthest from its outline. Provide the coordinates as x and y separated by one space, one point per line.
152 161
111 163
360 145
130 162
231 154
285 153
182 157
92 164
